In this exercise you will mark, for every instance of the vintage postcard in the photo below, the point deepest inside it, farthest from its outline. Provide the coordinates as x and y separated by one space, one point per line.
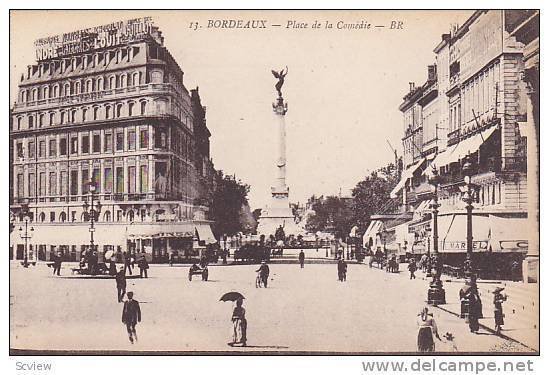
274 182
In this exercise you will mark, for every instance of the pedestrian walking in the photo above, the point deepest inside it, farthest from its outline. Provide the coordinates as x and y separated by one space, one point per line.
427 329
263 273
57 260
172 258
143 266
301 258
112 268
342 269
121 284
131 315
475 309
412 267
240 324
127 262
498 309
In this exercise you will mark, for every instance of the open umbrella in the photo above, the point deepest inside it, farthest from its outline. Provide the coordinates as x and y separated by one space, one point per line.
498 289
109 254
231 296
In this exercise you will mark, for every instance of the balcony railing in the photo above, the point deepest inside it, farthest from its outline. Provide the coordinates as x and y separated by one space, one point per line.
94 96
116 197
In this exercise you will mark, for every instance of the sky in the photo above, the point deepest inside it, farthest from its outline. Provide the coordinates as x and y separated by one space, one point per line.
343 87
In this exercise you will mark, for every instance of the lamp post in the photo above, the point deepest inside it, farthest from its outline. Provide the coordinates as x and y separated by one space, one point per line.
428 235
436 294
468 198
92 209
384 241
26 235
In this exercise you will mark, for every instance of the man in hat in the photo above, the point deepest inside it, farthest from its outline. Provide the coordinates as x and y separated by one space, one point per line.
412 268
57 264
263 272
121 284
131 315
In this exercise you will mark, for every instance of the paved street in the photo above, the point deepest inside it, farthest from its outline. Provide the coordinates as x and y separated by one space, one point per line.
302 310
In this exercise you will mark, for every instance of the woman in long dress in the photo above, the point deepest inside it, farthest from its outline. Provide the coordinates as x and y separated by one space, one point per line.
498 309
427 328
239 324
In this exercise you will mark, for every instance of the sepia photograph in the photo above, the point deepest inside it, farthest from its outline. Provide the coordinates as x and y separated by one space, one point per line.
274 182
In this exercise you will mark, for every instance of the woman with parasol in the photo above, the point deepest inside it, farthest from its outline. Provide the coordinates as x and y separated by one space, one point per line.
427 328
240 324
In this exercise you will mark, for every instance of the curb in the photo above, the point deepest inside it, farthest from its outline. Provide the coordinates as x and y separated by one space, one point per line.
489 329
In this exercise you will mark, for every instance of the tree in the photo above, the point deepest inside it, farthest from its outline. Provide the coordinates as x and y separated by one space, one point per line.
331 214
229 196
373 194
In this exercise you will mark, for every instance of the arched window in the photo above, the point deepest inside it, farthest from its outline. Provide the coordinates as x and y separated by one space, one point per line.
55 91
143 107
24 96
73 115
42 217
131 216
46 92
41 120
62 217
77 87
31 121
99 84
130 108
108 111
107 216
123 80
112 82
89 87
118 109
95 113
34 95
62 117
135 79
52 118
84 114
66 89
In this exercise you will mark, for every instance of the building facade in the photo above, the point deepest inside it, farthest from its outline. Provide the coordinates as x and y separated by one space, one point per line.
108 106
472 107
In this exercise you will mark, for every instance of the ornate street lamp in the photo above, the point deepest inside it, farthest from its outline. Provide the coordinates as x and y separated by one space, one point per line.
26 235
436 294
428 241
468 198
92 209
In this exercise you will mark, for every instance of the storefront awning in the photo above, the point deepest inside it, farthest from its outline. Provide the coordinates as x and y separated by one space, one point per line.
73 234
205 233
490 233
407 174
509 234
165 230
374 228
463 148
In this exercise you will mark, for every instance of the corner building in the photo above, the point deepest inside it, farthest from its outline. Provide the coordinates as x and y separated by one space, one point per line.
109 107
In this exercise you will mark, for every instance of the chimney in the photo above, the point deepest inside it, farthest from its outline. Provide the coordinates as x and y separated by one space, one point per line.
412 86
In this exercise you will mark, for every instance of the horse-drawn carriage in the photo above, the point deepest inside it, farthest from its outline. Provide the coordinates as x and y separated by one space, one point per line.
253 253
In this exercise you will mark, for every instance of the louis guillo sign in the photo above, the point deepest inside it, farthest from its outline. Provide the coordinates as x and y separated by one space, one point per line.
93 38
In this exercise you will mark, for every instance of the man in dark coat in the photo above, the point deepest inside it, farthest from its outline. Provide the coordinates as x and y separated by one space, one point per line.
301 258
342 269
143 266
121 284
127 262
57 264
264 272
412 268
131 315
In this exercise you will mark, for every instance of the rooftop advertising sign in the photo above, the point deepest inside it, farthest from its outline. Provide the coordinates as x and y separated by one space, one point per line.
93 38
